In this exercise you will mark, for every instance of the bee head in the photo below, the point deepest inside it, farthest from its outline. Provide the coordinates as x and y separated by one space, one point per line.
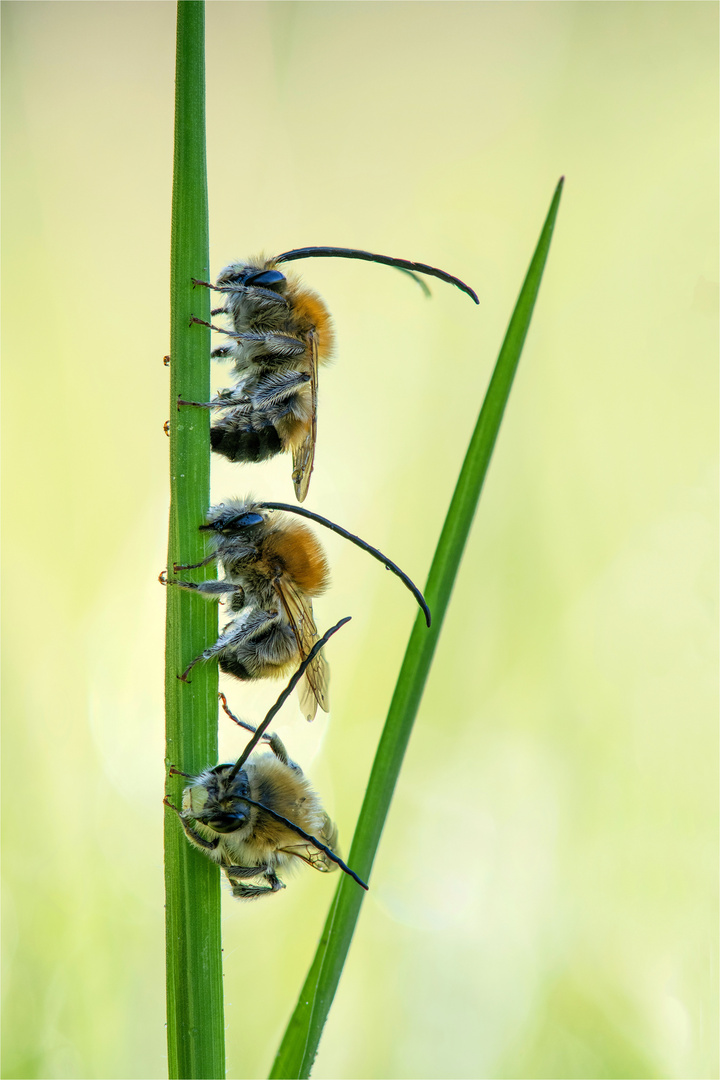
232 519
214 802
252 277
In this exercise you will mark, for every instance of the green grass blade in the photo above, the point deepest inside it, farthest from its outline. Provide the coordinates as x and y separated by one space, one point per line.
299 1046
194 969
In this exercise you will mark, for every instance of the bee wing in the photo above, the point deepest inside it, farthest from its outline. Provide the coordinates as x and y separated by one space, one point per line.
314 687
304 456
312 856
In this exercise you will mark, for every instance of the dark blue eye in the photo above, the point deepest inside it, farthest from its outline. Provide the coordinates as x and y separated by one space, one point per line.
265 278
244 521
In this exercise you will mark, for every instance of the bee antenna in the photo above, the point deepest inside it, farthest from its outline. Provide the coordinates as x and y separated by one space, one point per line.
368 256
306 836
360 543
262 728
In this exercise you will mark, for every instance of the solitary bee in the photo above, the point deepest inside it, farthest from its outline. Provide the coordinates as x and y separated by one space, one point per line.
260 815
282 332
273 568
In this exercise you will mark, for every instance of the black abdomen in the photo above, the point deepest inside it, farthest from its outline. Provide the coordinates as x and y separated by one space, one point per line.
231 666
245 444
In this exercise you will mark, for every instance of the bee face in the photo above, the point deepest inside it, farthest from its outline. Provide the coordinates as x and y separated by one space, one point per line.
249 276
244 834
217 803
233 520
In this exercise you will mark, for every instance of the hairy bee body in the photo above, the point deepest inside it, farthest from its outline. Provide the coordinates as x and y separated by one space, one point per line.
247 842
255 644
262 300
275 415
285 332
257 547
273 568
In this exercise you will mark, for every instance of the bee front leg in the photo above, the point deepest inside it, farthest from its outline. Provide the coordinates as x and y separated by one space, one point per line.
208 588
191 566
193 837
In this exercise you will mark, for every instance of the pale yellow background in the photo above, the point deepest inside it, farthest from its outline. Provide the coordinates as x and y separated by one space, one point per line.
543 902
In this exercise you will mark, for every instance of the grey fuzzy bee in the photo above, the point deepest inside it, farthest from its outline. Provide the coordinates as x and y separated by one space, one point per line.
274 567
281 333
260 816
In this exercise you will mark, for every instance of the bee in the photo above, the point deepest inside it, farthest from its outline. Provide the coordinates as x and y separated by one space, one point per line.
273 569
281 331
261 815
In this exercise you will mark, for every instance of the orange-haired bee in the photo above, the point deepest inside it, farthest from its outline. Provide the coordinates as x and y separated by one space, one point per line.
281 332
273 568
260 815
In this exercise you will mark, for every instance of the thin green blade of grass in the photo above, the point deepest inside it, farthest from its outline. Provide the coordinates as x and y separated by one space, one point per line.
299 1045
195 1028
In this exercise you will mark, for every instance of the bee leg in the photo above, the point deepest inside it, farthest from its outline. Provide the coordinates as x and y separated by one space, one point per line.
262 629
249 892
224 399
191 665
208 588
223 642
195 404
239 722
278 748
194 837
193 565
218 329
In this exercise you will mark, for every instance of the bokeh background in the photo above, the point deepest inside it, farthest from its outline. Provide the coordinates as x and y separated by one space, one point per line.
544 899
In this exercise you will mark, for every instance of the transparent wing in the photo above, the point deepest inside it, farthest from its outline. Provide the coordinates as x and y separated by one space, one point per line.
314 686
312 856
304 456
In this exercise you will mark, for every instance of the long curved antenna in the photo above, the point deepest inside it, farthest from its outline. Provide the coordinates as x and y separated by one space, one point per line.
368 256
360 543
417 279
306 836
262 728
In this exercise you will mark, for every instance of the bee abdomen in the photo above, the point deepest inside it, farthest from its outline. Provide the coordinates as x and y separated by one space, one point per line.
232 666
238 442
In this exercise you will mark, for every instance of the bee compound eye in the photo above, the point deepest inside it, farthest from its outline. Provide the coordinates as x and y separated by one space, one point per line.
265 278
244 521
224 823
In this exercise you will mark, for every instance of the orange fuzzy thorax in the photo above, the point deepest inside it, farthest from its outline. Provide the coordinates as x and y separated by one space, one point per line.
309 312
299 552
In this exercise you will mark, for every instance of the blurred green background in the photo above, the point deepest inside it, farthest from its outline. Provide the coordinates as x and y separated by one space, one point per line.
544 900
